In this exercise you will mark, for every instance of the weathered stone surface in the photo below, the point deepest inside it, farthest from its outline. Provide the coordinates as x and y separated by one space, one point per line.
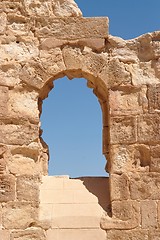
7 188
60 28
154 98
18 134
125 210
52 61
23 104
148 129
3 101
0 217
41 41
144 186
126 158
34 234
154 235
28 188
119 187
125 102
115 73
123 129
149 214
4 235
127 235
155 159
19 215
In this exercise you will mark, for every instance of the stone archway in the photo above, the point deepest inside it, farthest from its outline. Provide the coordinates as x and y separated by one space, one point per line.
35 50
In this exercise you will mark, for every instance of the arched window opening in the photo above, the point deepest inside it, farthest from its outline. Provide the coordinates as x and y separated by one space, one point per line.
72 127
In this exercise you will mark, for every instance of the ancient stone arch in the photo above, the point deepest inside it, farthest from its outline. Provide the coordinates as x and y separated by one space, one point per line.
43 41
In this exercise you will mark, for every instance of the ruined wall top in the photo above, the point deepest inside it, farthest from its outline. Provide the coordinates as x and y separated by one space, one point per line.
54 8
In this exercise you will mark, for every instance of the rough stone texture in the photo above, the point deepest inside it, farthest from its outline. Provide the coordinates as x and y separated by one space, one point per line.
41 41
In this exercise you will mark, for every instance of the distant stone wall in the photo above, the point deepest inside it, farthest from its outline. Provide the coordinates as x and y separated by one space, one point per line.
41 41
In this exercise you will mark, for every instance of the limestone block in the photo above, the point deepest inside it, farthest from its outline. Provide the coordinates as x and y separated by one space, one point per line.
115 73
35 234
56 196
18 134
142 74
61 27
125 102
75 216
73 59
0 217
3 22
4 235
67 8
19 215
149 214
154 235
53 182
9 73
64 8
7 188
27 188
18 51
96 44
124 158
144 186
155 159
156 48
148 129
3 101
93 64
52 61
46 212
156 65
21 165
34 74
125 210
2 165
23 104
154 98
124 54
79 234
123 130
84 196
127 235
158 210
119 187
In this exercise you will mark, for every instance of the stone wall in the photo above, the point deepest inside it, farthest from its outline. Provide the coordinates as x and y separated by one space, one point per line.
41 41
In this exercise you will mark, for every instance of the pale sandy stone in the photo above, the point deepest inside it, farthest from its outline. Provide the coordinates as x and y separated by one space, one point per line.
3 22
52 61
4 235
72 234
123 129
127 235
7 188
125 102
19 215
144 186
27 188
18 134
119 187
9 74
126 158
94 28
149 214
124 210
23 104
35 234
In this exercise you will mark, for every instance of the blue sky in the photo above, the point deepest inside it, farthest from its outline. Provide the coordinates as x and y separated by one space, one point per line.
71 115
